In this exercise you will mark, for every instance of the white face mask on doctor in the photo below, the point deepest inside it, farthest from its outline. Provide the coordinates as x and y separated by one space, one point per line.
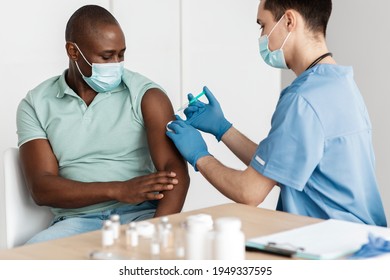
105 76
273 58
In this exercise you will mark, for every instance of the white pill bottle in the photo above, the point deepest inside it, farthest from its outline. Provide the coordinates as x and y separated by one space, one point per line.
198 227
229 240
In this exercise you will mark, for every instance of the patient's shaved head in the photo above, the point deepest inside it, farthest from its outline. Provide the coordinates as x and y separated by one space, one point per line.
85 22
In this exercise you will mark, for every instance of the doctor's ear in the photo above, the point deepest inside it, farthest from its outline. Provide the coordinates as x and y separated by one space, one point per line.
291 19
72 51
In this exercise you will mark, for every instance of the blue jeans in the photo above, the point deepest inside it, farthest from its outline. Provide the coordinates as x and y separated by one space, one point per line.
68 226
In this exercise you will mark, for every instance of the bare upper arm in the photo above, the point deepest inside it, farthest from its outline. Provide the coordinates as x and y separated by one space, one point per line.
157 112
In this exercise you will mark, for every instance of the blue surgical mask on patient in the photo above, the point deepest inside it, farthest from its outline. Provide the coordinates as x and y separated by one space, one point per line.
105 76
273 58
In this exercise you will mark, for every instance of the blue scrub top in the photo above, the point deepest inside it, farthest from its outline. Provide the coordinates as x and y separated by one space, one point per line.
319 149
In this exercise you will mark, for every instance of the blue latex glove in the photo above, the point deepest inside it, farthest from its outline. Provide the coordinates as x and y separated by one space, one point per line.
187 140
376 246
207 117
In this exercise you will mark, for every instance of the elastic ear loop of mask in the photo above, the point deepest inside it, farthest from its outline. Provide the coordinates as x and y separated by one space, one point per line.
272 30
288 35
82 54
77 65
285 40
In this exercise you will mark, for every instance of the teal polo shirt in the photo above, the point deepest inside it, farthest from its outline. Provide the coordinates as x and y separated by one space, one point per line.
105 141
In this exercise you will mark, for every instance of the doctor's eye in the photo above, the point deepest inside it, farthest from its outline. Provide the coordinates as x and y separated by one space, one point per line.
261 29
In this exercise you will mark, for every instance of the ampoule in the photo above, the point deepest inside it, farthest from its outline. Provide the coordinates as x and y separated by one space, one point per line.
145 230
107 235
155 245
132 235
165 234
161 226
180 241
116 225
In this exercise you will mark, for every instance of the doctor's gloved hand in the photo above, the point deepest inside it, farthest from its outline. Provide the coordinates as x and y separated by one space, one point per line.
207 117
187 140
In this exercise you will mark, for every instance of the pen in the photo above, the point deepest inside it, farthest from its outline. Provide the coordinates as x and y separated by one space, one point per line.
285 249
271 250
185 105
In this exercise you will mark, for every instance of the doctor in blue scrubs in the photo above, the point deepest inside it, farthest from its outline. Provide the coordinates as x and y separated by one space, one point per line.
319 149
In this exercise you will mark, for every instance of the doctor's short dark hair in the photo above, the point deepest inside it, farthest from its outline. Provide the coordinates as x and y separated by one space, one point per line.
316 13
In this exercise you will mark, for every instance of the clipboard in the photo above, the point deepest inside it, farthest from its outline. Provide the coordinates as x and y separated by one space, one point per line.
330 239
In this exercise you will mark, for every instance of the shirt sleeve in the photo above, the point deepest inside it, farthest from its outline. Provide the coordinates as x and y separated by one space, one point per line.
294 146
27 123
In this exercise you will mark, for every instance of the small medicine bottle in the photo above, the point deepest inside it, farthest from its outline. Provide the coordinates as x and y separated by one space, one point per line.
198 228
155 245
147 235
180 241
229 240
107 235
165 232
132 235
116 225
162 223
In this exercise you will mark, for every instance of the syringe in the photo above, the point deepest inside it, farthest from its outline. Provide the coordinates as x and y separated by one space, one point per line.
185 105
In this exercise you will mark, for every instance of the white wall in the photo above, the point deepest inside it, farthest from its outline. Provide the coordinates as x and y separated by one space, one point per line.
358 35
152 30
180 44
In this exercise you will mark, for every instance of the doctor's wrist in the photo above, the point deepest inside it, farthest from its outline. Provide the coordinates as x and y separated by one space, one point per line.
198 157
224 127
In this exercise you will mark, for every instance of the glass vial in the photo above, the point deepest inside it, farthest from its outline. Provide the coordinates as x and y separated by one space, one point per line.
107 235
155 245
116 225
165 232
145 230
180 241
132 235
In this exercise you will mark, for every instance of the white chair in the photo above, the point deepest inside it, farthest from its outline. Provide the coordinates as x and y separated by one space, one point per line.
23 218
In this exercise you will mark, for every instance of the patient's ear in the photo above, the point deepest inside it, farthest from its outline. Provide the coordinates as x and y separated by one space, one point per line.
72 51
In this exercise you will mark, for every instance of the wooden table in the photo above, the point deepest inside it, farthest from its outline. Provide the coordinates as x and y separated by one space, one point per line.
255 222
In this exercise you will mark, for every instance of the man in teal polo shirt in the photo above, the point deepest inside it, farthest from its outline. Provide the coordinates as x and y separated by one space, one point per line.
92 141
